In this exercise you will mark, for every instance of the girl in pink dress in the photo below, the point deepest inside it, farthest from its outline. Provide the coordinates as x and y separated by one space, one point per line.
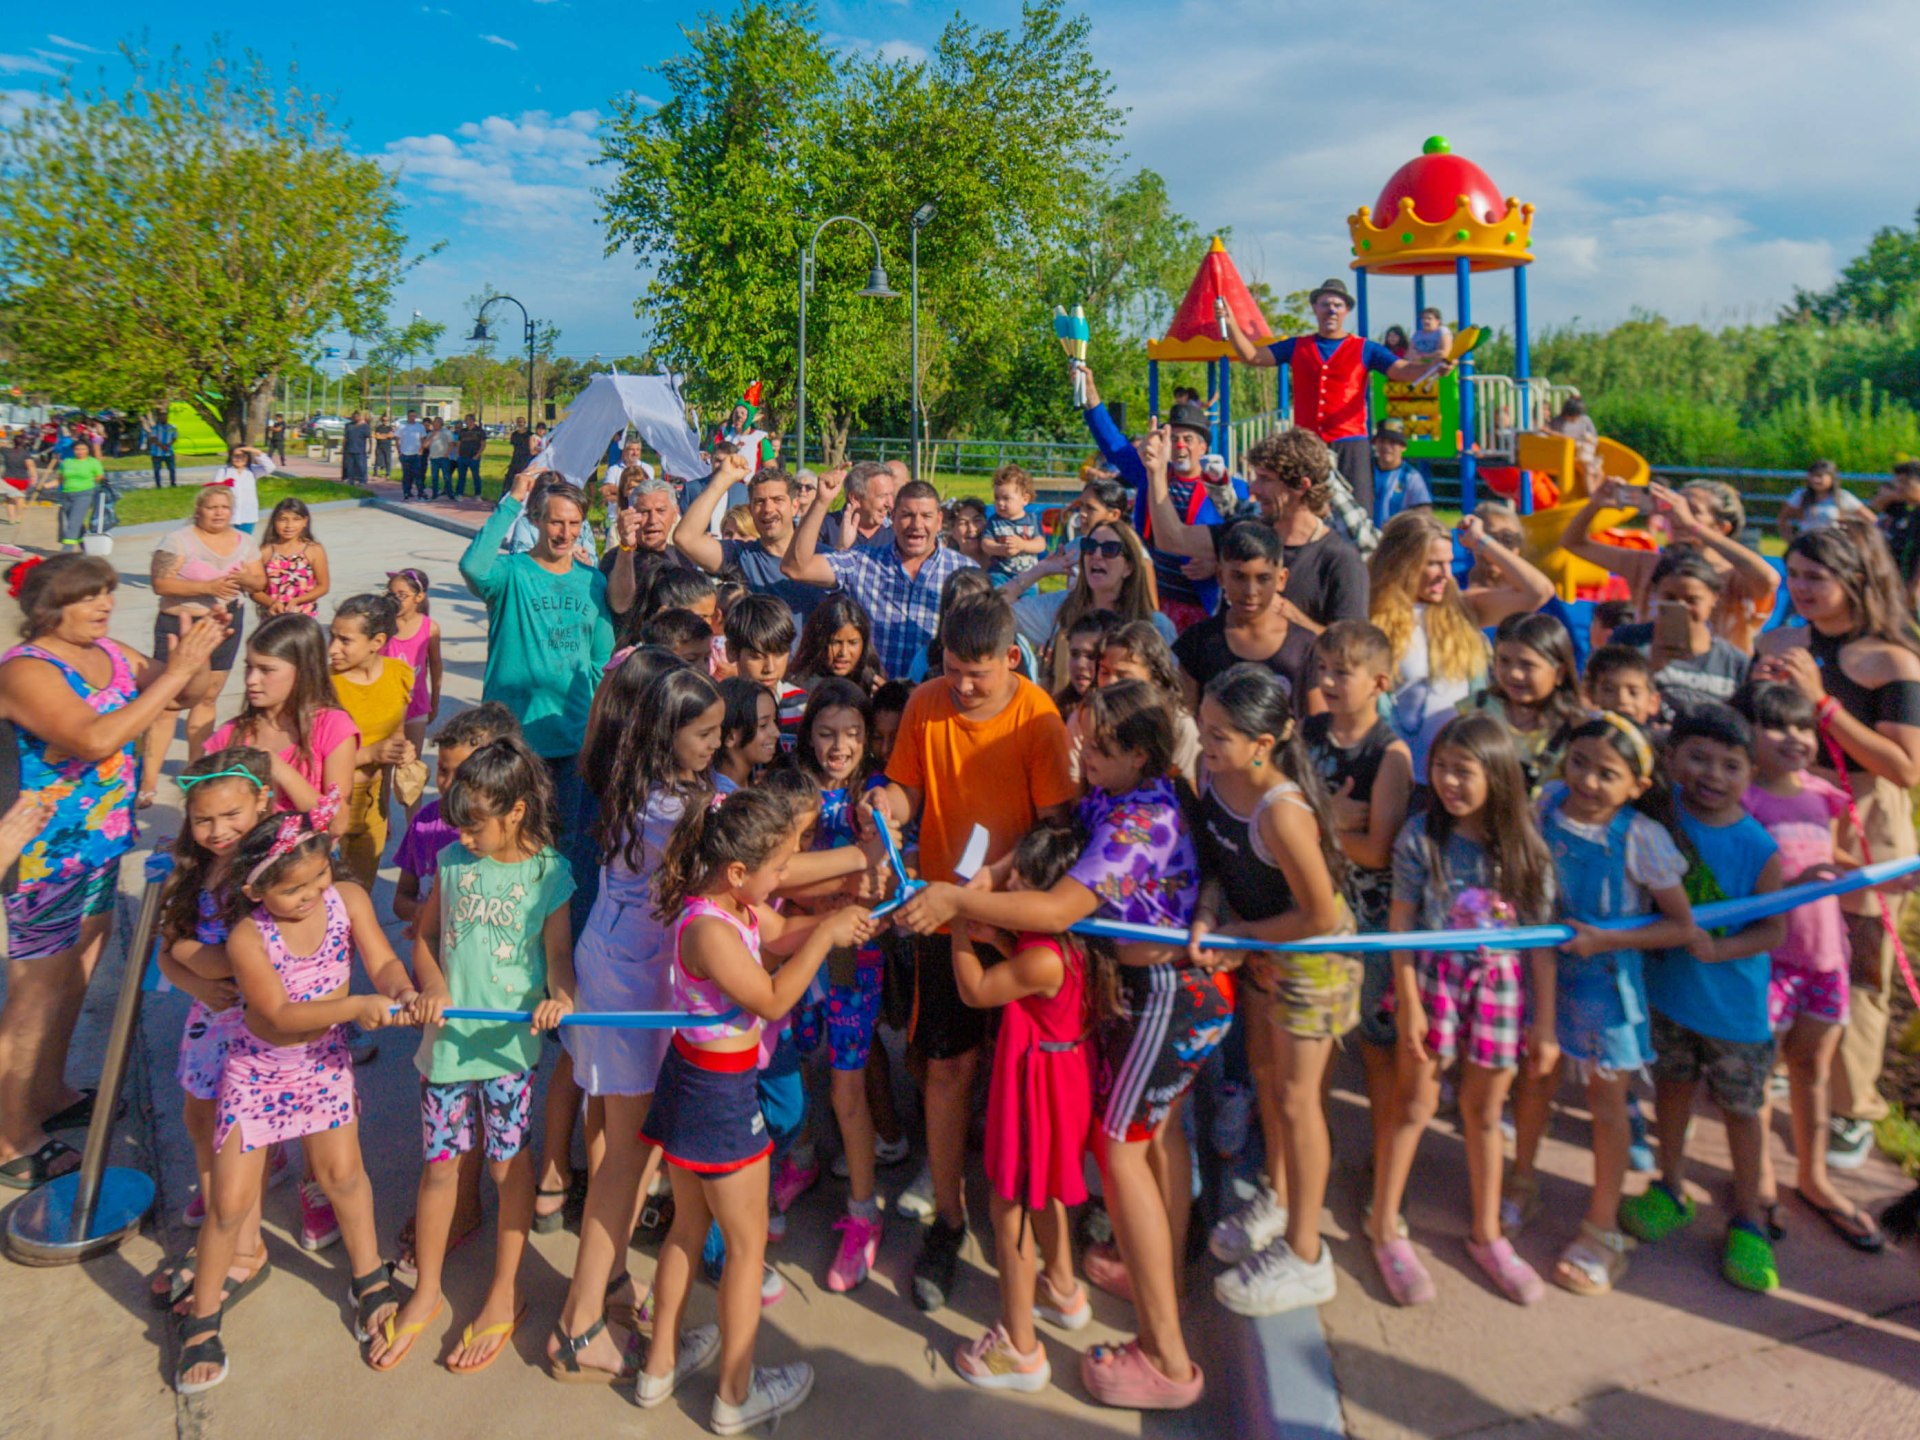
288 1075
1039 1122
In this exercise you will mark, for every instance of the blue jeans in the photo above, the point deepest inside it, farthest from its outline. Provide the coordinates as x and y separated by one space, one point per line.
413 476
462 468
442 477
575 811
173 475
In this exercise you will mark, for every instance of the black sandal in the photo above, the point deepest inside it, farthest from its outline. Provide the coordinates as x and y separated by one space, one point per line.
30 1172
553 1219
77 1116
564 1364
1866 1238
209 1351
181 1279
372 1292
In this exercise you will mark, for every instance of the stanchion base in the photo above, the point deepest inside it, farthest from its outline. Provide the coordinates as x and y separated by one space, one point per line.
40 1227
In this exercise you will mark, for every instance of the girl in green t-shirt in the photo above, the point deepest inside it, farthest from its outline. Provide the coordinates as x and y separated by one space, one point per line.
79 478
493 935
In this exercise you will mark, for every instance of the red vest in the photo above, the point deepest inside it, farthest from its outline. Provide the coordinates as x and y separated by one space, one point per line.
1330 397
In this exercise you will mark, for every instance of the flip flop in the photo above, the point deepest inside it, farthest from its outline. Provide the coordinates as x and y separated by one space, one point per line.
77 1116
392 1356
469 1335
1868 1241
551 1221
30 1172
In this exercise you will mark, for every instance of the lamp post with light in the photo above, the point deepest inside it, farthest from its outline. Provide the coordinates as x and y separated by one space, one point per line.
921 219
876 289
481 335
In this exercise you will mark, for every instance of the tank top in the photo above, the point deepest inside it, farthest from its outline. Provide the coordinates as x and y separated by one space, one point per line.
1897 701
1338 764
93 819
317 975
413 651
703 997
1421 703
1237 856
289 573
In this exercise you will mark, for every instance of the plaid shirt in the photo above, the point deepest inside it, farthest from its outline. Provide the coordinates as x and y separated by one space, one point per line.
1349 519
905 608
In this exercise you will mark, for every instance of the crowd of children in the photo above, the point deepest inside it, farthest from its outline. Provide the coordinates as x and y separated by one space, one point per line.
748 780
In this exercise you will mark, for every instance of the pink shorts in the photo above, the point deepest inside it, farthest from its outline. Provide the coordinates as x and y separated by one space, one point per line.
1818 994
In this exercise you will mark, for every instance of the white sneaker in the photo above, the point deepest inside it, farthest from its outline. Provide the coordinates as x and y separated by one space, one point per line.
916 1201
773 1391
886 1153
698 1345
1250 1229
1276 1280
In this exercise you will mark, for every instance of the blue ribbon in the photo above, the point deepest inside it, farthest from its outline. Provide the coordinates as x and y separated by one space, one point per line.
906 888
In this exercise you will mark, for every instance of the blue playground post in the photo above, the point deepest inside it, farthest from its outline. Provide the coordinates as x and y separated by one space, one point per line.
1360 324
1463 283
1153 391
1522 371
1223 421
1283 394
1419 298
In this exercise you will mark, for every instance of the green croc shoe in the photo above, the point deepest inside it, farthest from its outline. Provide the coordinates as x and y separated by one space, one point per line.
1748 1261
1655 1214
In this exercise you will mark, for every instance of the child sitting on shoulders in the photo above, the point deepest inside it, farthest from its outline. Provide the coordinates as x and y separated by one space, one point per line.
1039 1117
1709 1000
1807 996
1012 541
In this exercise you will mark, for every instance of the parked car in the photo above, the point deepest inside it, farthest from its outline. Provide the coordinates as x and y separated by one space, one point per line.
334 425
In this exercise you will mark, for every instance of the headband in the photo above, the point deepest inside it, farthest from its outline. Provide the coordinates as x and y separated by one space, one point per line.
293 828
234 772
1642 751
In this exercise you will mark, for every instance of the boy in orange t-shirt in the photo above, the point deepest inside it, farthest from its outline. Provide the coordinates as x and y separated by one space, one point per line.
979 746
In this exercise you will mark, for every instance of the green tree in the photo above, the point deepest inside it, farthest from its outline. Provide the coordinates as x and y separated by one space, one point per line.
767 131
191 237
1875 285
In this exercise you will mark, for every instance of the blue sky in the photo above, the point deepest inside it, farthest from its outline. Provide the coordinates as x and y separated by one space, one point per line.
1699 158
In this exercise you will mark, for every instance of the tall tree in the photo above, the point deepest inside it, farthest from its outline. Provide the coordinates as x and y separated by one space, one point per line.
1875 285
190 237
767 132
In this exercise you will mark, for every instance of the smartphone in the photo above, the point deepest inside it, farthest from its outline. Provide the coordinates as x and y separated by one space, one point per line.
1672 626
1632 497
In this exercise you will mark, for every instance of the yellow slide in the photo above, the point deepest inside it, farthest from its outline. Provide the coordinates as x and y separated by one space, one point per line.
1554 454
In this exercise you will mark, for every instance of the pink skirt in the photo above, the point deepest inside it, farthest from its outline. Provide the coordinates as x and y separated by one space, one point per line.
275 1093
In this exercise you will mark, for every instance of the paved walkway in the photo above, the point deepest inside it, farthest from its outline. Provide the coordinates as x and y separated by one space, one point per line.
1678 1352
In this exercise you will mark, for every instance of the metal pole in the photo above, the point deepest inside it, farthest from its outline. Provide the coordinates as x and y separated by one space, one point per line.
800 379
1419 298
914 328
1463 286
95 1207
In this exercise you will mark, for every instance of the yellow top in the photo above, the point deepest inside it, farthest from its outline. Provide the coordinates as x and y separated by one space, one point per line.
379 708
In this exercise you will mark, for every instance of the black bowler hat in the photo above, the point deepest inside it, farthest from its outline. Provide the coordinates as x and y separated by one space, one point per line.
1188 416
1335 286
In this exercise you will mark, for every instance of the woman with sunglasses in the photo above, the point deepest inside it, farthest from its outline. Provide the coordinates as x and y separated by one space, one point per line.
1114 573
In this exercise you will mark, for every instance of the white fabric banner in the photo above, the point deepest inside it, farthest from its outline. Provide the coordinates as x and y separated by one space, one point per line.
610 403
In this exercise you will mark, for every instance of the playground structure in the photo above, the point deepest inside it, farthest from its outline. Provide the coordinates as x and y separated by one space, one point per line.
1195 335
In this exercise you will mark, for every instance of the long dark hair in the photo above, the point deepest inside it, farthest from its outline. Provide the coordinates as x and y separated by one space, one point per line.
180 898
743 828
492 779
1257 702
1548 638
292 505
643 763
834 613
253 852
1132 715
1879 604
836 694
300 642
616 709
1519 865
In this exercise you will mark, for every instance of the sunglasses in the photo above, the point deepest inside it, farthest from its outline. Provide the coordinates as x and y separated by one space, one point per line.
1105 549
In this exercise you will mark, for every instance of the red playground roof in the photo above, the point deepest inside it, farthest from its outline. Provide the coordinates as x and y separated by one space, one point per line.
1195 333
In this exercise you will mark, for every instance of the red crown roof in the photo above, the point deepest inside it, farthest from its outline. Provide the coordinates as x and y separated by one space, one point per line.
1217 278
1436 179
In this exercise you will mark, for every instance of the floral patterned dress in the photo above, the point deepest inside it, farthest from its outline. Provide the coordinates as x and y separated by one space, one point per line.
289 573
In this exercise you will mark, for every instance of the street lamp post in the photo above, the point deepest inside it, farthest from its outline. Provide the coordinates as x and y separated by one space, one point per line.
876 289
480 334
921 218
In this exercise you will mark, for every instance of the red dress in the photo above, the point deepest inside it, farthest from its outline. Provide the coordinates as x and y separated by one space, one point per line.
1040 1102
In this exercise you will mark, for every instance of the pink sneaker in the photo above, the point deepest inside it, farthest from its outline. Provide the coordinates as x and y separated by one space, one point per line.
859 1246
790 1182
318 1227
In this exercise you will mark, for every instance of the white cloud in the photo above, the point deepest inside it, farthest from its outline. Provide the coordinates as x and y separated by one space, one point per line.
901 50
889 50
65 44
1682 158
504 170
27 65
500 40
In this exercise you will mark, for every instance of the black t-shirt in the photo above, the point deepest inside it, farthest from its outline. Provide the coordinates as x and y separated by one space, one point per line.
1368 891
13 462
1203 652
472 441
1326 578
1694 679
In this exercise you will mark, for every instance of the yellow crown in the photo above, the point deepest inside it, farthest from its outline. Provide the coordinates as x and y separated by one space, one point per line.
1408 245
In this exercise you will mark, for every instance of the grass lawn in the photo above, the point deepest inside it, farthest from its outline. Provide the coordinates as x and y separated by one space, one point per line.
114 464
146 504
